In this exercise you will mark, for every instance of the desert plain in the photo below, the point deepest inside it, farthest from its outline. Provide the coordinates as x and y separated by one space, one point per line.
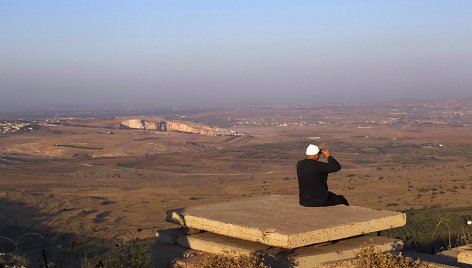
88 178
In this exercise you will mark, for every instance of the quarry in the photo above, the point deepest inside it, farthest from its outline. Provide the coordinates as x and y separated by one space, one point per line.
177 126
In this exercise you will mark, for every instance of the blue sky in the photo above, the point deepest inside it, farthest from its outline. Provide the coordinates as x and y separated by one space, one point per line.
178 53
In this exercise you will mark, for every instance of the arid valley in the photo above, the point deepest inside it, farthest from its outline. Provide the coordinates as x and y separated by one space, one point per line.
87 178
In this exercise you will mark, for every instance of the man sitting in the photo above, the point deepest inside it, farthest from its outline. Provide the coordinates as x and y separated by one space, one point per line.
313 179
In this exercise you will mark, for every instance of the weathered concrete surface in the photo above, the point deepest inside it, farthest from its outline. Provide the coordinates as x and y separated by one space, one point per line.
170 235
167 255
446 260
219 244
280 221
453 257
451 253
175 216
465 256
313 256
310 256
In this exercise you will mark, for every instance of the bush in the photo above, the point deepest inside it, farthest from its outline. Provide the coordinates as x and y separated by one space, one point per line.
133 254
431 230
12 260
371 258
255 260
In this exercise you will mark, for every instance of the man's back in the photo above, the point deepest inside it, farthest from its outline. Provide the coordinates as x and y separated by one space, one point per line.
312 180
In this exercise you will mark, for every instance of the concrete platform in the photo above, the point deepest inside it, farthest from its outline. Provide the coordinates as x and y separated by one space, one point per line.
465 257
219 244
281 222
455 256
170 235
310 256
452 253
445 259
313 256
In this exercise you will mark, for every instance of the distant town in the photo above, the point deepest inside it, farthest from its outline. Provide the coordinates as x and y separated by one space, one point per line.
360 116
17 126
400 115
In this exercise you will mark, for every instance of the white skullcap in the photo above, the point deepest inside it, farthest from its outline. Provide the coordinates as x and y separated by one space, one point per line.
312 150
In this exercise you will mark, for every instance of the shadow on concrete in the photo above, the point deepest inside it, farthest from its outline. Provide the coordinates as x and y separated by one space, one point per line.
165 254
280 258
436 258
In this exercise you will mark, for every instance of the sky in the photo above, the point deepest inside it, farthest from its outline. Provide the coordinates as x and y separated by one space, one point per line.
171 53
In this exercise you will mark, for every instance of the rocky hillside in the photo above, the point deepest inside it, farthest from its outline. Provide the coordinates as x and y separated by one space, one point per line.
178 126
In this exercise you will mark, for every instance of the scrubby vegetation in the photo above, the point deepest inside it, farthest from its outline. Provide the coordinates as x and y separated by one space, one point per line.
431 230
255 260
366 258
54 251
135 254
12 260
371 258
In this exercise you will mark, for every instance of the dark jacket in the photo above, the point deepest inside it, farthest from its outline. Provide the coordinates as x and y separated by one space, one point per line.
313 180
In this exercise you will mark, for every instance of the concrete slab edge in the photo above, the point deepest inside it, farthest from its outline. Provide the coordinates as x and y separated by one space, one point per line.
272 238
238 231
345 231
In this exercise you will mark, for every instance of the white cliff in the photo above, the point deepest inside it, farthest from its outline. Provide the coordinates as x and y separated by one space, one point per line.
177 126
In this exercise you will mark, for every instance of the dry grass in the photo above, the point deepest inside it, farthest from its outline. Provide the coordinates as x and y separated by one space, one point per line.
371 258
13 260
366 258
465 239
255 260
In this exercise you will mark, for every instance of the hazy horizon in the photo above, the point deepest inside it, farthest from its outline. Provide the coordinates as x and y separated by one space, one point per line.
214 53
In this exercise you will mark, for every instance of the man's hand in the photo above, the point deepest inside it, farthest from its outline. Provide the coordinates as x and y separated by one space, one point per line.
326 153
